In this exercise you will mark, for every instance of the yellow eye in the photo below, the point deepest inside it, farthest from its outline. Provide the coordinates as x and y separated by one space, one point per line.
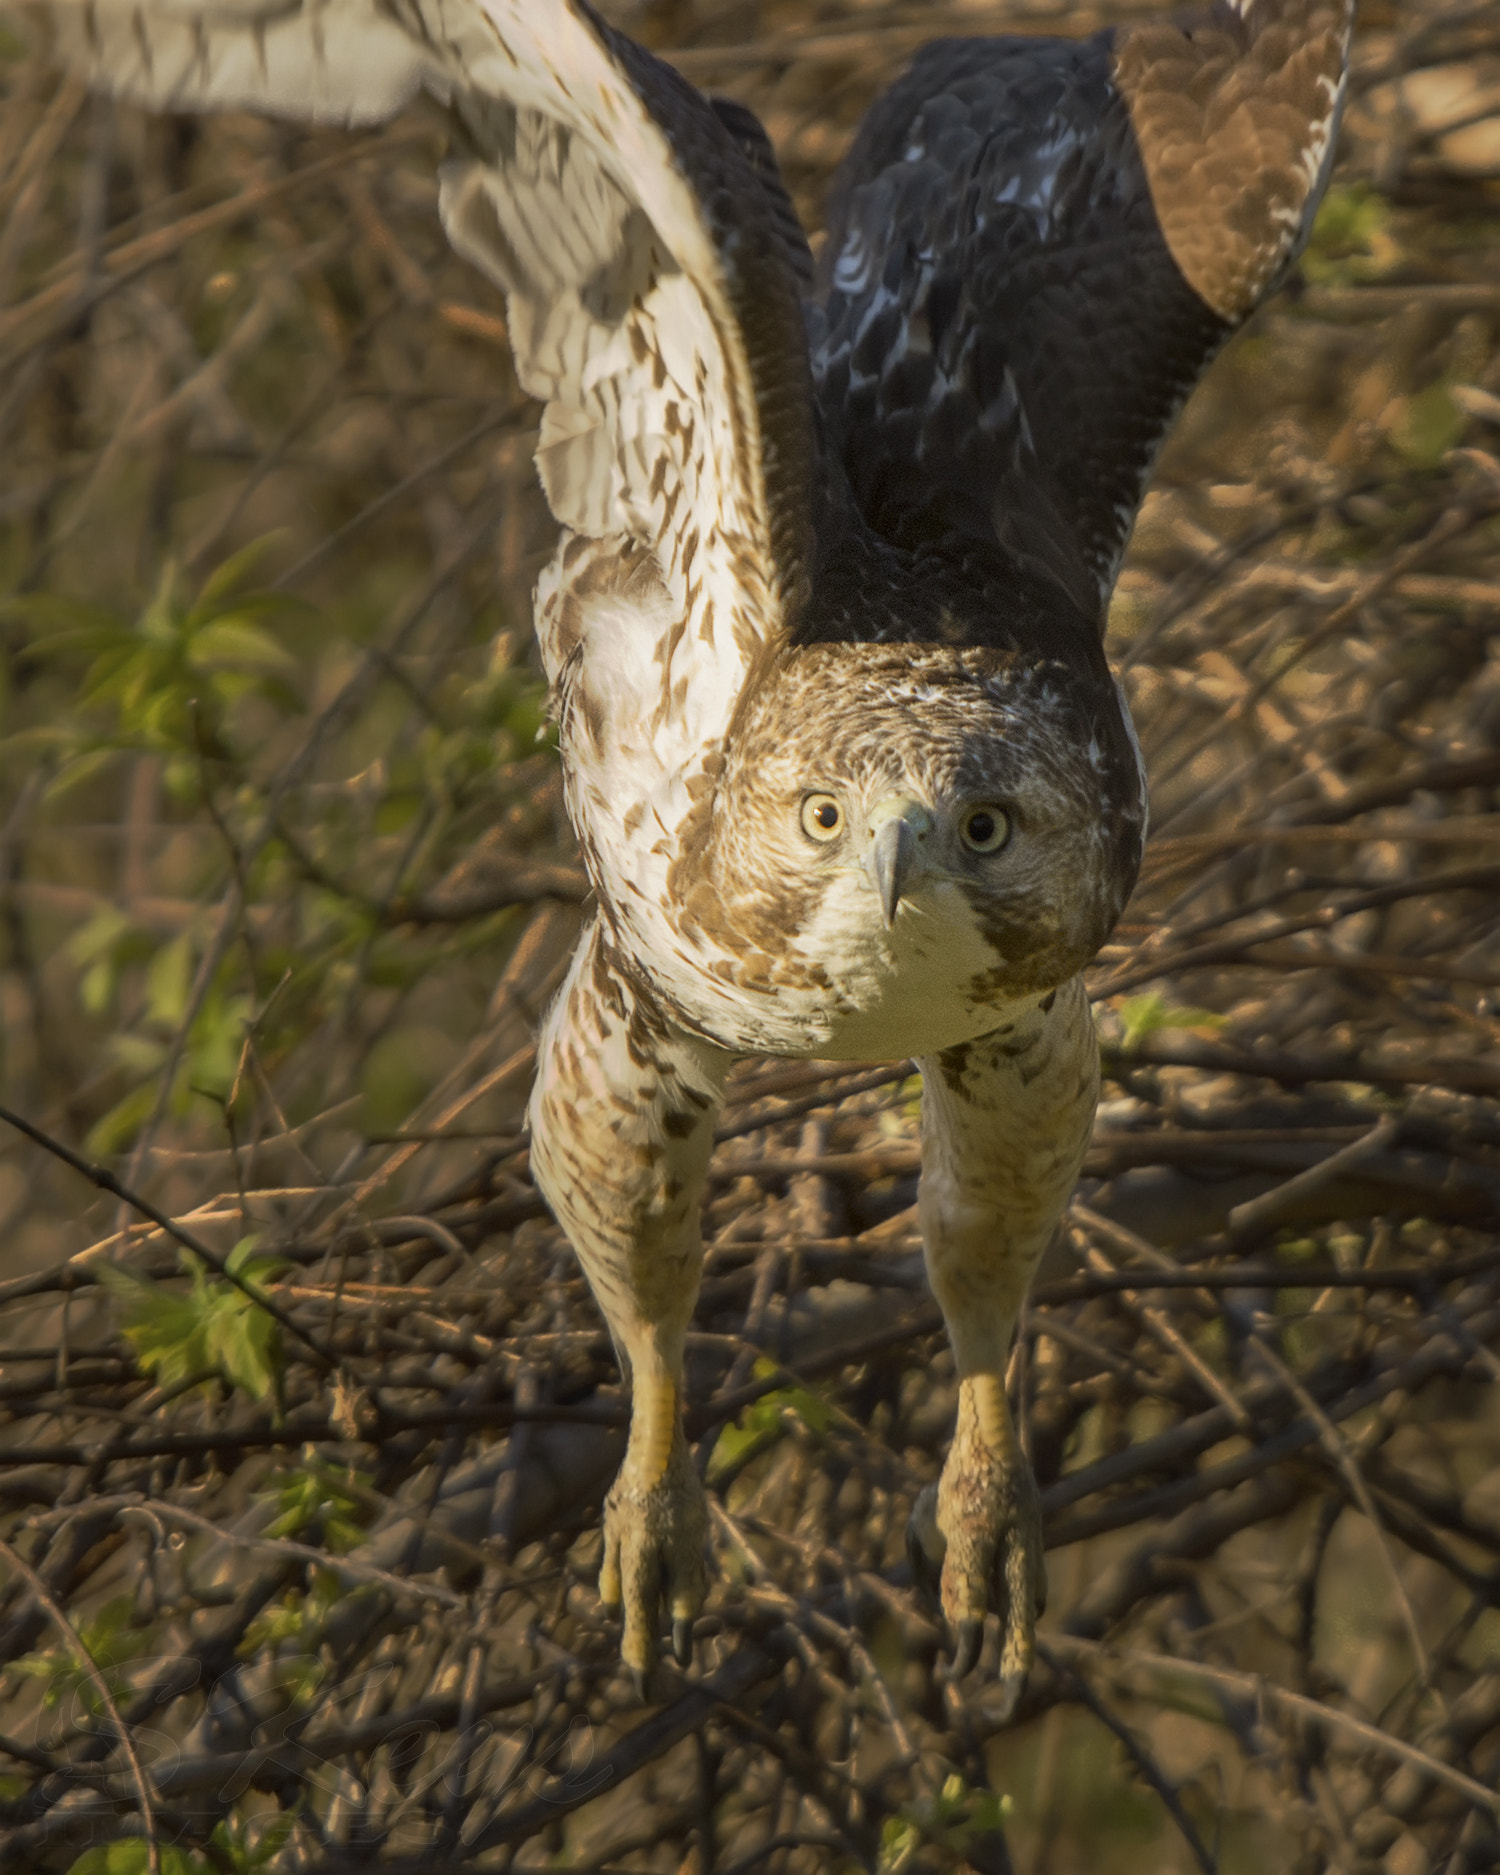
985 828
822 818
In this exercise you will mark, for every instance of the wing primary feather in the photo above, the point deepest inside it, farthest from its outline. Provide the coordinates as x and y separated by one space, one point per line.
756 147
1035 247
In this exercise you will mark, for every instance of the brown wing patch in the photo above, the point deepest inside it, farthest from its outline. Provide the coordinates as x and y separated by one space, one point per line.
1234 119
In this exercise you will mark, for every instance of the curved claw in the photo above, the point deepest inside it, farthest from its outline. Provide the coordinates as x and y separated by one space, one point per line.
653 1555
988 1519
1021 1588
967 1648
925 1547
1012 1685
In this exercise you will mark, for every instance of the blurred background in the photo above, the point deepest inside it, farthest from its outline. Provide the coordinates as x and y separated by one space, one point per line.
285 884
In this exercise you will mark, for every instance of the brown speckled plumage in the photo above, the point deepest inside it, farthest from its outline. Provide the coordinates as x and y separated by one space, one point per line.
848 766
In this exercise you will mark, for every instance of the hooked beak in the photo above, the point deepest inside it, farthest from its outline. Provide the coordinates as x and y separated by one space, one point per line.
898 827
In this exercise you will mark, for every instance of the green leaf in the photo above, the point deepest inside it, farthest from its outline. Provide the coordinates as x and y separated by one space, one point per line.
130 1856
315 1504
111 1642
115 1130
218 1035
1141 1016
66 622
235 644
298 1617
764 1421
251 1268
98 937
137 1054
245 1342
158 623
165 1329
169 981
227 576
213 1327
1429 425
96 987
1352 239
234 1841
951 1820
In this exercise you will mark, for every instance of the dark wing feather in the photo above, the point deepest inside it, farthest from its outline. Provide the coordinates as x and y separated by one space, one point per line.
1036 245
755 146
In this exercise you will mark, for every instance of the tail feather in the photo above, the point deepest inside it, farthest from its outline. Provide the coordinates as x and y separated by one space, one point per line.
1235 117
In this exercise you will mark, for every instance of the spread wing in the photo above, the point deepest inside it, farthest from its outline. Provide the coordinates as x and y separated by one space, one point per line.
652 296
1035 247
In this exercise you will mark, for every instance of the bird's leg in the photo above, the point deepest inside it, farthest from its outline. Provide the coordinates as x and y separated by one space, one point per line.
1005 1123
622 1122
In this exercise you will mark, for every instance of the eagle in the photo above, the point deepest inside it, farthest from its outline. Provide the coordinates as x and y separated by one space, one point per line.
824 627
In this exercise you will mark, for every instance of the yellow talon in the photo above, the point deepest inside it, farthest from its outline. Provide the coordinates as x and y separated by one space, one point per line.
654 1525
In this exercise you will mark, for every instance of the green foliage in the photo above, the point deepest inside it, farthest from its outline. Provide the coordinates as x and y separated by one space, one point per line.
254 1843
951 1821
1352 240
210 1059
166 682
313 1503
1141 1016
131 1856
298 1618
1430 423
763 1422
399 1069
209 689
215 1327
240 1848
111 1642
186 683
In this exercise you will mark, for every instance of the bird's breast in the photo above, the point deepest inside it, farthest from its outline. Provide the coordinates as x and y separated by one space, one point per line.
929 980
845 986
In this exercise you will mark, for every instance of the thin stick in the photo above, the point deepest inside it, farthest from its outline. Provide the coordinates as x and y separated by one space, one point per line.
364 1573
1145 1763
1252 1686
101 1686
106 1181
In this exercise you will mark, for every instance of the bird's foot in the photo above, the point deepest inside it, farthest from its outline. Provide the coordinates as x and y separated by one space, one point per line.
975 1539
655 1522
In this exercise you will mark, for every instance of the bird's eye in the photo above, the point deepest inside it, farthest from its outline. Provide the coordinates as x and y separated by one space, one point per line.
822 818
985 829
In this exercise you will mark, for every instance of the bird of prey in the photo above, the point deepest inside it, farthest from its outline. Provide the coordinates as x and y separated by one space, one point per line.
849 769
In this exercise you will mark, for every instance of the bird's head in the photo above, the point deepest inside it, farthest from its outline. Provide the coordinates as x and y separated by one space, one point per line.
880 794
